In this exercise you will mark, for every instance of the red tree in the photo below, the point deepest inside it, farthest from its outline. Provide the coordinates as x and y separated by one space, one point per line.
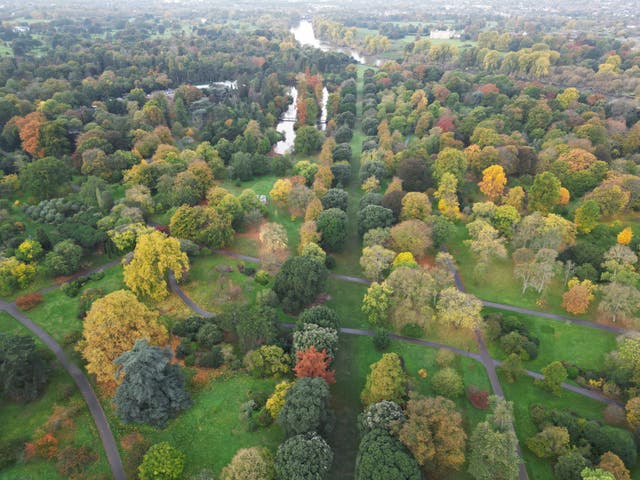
312 363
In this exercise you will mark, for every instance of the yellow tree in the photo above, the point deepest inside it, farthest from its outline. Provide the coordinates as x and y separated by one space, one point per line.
625 236
154 255
576 300
493 181
447 196
565 196
415 205
112 326
280 191
314 209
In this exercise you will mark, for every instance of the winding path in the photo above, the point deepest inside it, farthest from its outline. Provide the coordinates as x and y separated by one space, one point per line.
95 408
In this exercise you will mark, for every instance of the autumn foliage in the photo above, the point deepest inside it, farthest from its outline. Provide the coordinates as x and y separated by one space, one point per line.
625 236
45 447
577 299
493 181
29 301
29 131
312 363
478 398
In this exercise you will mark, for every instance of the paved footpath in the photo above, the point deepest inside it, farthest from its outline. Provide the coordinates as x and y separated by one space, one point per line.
95 408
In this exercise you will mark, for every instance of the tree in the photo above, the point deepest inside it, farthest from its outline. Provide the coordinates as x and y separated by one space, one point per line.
412 236
313 211
313 363
625 236
619 300
376 261
308 140
447 196
377 303
612 463
632 409
385 415
24 372
434 434
534 270
320 315
276 401
280 191
332 225
486 244
554 375
111 327
335 198
44 178
304 457
154 256
322 338
162 462
29 127
274 243
152 389
267 361
374 216
255 326
64 259
551 442
493 181
544 193
202 225
15 274
596 474
447 382
570 465
255 463
413 295
299 197
306 407
415 206
298 283
629 353
494 446
414 175
381 456
451 161
459 309
386 381
579 296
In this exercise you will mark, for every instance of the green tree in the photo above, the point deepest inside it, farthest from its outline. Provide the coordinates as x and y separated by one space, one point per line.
332 225
45 177
448 383
298 282
64 259
306 407
385 415
323 338
320 315
587 216
153 389
308 140
544 193
304 457
451 161
386 381
255 463
162 462
381 457
374 217
570 465
554 375
596 474
551 442
23 370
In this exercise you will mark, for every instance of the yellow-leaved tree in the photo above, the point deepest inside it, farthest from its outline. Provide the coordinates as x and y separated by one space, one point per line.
111 327
154 255
493 181
625 236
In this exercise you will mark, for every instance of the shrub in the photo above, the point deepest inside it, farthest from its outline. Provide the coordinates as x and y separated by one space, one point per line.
412 330
189 327
320 315
212 359
10 451
209 335
183 349
261 277
267 361
447 382
29 301
87 298
381 340
162 461
74 460
478 398
445 358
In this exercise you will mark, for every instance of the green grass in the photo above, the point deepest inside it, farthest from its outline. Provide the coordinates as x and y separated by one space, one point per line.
210 432
22 421
583 346
523 394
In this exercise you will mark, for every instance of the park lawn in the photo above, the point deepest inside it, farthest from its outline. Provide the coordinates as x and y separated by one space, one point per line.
523 394
212 289
210 432
498 284
353 359
563 341
21 421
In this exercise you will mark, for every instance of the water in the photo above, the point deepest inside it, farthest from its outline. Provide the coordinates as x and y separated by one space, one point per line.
305 36
286 124
324 114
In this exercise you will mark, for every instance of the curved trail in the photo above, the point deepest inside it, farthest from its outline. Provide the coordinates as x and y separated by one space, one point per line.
95 408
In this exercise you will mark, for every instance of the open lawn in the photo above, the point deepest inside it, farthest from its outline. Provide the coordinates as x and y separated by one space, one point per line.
585 347
210 432
23 421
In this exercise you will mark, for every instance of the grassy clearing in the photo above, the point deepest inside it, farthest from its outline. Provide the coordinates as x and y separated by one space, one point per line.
352 363
22 421
586 347
523 394
210 432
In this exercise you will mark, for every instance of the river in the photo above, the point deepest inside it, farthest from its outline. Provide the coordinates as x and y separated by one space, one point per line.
305 36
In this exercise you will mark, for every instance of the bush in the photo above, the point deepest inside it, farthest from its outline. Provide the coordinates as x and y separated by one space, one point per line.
385 414
381 340
189 327
209 335
320 315
261 277
478 398
74 460
95 276
447 382
304 457
212 359
183 349
306 408
445 358
10 451
341 174
28 301
335 198
412 330
162 461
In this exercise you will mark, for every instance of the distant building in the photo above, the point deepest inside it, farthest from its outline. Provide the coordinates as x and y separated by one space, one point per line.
443 34
21 29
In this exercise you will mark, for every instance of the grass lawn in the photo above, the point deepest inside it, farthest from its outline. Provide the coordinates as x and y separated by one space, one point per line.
210 432
523 394
586 347
352 366
21 421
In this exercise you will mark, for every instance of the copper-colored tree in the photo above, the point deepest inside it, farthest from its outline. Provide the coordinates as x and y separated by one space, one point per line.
312 363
